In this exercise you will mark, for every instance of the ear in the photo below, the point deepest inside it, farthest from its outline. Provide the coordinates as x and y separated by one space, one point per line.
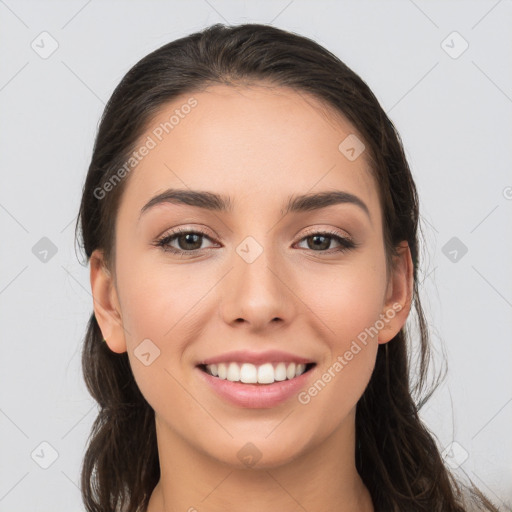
106 303
397 304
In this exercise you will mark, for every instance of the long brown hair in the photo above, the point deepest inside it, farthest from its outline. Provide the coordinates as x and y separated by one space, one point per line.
396 455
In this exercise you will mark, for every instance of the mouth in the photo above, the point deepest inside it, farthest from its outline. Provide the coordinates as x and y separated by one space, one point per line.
262 374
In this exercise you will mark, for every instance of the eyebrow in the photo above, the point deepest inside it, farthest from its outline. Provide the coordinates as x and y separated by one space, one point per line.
217 202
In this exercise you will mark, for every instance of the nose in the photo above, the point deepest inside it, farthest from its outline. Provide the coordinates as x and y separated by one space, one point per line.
258 294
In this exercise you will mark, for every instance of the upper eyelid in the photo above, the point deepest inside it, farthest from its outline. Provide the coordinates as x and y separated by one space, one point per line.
327 231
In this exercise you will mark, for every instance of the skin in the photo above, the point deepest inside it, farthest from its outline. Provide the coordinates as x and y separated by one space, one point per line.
259 145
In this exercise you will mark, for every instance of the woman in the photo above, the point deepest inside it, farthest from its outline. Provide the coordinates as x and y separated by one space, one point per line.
251 224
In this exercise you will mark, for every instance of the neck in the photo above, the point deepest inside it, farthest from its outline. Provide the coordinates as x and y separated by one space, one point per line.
323 478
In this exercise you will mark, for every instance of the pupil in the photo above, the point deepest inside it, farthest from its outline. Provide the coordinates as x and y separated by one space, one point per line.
323 245
188 240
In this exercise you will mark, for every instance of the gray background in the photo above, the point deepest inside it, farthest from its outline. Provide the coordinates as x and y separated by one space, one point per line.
452 107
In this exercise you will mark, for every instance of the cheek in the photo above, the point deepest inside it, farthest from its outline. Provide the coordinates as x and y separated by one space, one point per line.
348 301
348 298
160 303
159 299
349 304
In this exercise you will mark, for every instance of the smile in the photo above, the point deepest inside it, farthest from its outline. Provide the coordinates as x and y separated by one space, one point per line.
248 373
255 394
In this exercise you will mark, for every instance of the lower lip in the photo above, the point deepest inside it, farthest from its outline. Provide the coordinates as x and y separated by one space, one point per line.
256 396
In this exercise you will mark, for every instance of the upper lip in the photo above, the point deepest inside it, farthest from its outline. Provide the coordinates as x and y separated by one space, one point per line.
245 356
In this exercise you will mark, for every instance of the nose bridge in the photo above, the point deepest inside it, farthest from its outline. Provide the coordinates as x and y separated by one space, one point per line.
256 292
254 261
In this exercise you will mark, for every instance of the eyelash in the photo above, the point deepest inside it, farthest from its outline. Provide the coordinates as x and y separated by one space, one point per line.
346 244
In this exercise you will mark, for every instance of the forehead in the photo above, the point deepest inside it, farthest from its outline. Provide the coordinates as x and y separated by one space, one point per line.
255 143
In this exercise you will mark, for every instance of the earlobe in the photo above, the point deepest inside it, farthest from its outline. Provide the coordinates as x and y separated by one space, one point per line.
106 304
399 295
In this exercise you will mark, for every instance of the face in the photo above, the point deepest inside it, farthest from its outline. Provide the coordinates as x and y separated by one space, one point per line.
251 277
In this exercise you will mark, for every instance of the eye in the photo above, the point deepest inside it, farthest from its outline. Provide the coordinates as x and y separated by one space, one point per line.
188 241
320 240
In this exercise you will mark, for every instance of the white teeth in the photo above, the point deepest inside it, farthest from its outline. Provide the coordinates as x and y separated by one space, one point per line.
266 373
222 371
280 372
248 373
233 372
